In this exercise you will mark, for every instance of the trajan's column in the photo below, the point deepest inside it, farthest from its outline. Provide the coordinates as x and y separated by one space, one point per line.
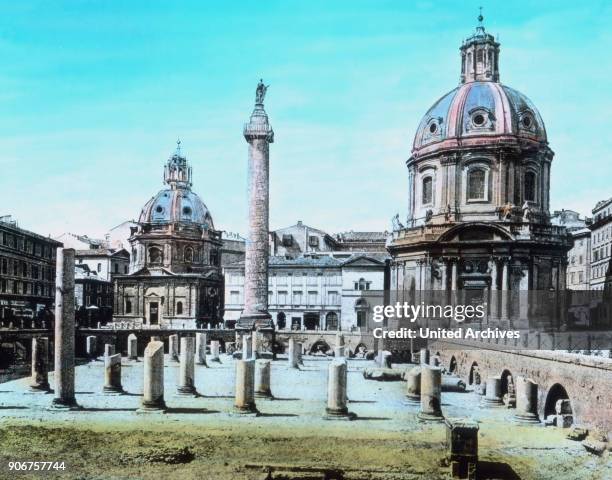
259 134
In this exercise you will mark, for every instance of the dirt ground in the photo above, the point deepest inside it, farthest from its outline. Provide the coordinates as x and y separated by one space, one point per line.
200 438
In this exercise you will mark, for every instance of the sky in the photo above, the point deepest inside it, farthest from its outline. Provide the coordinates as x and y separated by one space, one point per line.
93 96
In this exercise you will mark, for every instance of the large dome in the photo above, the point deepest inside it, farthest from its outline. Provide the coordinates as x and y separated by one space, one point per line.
475 110
179 205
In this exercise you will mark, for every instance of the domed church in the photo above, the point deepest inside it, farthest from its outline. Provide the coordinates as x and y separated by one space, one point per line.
175 275
478 197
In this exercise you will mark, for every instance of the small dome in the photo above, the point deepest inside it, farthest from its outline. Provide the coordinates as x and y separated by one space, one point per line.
176 205
479 109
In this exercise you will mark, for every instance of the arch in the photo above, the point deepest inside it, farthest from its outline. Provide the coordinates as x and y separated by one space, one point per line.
281 320
331 321
474 377
179 308
452 232
320 347
555 393
452 367
361 350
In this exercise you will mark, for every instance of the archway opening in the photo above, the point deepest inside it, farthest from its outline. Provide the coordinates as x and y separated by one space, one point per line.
508 389
556 393
474 378
452 367
361 350
320 347
311 321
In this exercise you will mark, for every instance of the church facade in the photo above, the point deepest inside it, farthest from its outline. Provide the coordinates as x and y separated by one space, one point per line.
478 203
175 275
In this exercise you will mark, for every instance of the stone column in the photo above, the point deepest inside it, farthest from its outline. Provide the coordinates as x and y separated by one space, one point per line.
526 401
214 351
339 351
200 348
413 385
91 346
493 290
109 349
454 275
431 394
39 381
493 396
245 387
504 287
293 353
64 330
444 280
259 134
173 347
339 340
336 392
132 347
186 385
424 356
262 379
247 347
112 374
153 389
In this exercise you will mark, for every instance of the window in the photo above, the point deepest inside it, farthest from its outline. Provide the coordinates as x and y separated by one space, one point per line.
179 308
333 298
362 284
331 321
282 297
125 269
189 254
313 241
312 298
297 297
530 186
99 267
128 306
287 240
155 255
234 297
361 318
476 184
427 193
116 268
214 257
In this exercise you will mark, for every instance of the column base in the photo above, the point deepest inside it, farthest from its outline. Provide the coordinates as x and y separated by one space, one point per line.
264 394
339 414
430 417
255 321
39 388
186 392
527 418
152 407
112 390
247 410
492 402
59 404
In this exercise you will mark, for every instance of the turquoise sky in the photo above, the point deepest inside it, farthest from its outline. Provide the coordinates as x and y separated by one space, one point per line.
93 96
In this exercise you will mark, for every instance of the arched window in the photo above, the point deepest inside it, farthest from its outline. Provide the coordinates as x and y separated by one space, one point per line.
189 254
530 186
128 306
476 184
362 284
427 191
331 321
179 308
155 255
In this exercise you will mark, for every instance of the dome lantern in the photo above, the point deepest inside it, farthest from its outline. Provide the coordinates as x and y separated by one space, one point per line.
480 56
177 172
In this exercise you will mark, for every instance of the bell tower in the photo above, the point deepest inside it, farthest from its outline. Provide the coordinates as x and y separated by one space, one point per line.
480 56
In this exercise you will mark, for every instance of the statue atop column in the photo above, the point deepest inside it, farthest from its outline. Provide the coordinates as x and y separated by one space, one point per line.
260 92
